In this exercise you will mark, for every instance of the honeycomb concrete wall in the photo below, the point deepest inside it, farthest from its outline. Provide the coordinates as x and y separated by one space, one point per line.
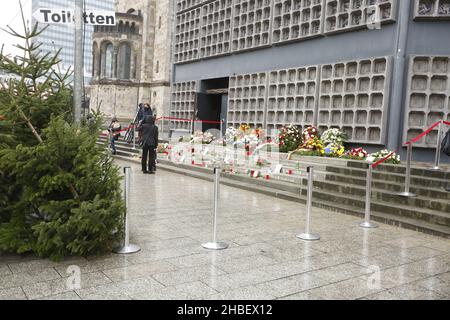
183 104
428 96
386 125
432 9
218 27
354 97
247 100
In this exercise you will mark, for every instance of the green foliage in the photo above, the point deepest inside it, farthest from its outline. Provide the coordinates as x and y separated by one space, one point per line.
60 193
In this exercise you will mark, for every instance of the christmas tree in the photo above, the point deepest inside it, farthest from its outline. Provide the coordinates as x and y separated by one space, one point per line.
60 193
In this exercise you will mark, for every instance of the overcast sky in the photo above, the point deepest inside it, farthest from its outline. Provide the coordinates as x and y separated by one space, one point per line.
10 15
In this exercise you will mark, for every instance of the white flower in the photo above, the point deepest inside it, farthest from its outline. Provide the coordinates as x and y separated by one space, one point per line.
370 159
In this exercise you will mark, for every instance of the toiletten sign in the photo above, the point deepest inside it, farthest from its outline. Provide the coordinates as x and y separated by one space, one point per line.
63 16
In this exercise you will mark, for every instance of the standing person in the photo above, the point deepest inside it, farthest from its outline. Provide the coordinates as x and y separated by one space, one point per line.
445 148
149 133
114 128
144 112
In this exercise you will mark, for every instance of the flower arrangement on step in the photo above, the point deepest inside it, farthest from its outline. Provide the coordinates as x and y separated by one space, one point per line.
163 148
334 136
356 154
202 137
249 142
260 162
334 150
310 133
374 157
289 138
245 128
219 142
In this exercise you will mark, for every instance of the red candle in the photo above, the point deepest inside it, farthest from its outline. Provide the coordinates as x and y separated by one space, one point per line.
290 172
267 177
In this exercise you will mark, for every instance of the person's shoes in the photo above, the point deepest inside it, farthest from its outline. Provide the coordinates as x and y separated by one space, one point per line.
151 172
145 172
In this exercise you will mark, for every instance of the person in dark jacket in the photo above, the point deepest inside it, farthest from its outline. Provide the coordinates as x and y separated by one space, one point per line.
144 111
149 134
114 128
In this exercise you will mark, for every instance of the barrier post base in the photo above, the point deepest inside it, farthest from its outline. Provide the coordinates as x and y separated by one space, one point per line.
368 225
407 194
215 245
309 236
131 248
435 169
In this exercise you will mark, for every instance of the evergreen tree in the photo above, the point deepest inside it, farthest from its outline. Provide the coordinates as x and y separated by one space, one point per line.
60 192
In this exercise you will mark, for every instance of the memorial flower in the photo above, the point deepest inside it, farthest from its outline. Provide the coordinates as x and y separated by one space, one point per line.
334 150
245 128
163 148
377 156
289 138
202 138
357 153
334 136
314 144
310 133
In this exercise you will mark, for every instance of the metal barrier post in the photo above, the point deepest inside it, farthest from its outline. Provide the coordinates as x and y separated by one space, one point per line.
221 128
367 223
214 245
438 149
134 136
127 247
407 192
308 235
163 122
192 127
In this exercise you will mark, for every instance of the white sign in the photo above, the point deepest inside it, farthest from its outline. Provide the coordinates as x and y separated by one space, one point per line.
63 16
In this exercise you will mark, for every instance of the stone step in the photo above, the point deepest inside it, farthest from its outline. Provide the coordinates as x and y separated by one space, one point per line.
391 183
358 201
385 195
379 212
390 186
417 168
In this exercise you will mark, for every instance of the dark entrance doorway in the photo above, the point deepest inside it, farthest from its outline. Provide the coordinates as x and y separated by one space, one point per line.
212 103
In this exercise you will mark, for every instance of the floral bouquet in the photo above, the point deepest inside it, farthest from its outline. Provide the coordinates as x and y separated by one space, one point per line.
374 157
357 154
231 134
314 144
334 136
163 148
310 133
245 128
248 142
202 138
219 142
260 162
259 132
334 150
289 138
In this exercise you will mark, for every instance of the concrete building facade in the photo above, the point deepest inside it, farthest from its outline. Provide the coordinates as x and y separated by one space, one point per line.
377 69
132 60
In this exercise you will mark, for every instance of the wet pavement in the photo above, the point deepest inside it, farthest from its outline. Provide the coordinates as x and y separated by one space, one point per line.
170 217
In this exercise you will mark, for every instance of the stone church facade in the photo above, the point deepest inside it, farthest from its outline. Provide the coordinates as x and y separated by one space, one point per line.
132 59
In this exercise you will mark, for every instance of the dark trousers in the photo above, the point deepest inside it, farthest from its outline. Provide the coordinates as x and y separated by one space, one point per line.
148 158
113 144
